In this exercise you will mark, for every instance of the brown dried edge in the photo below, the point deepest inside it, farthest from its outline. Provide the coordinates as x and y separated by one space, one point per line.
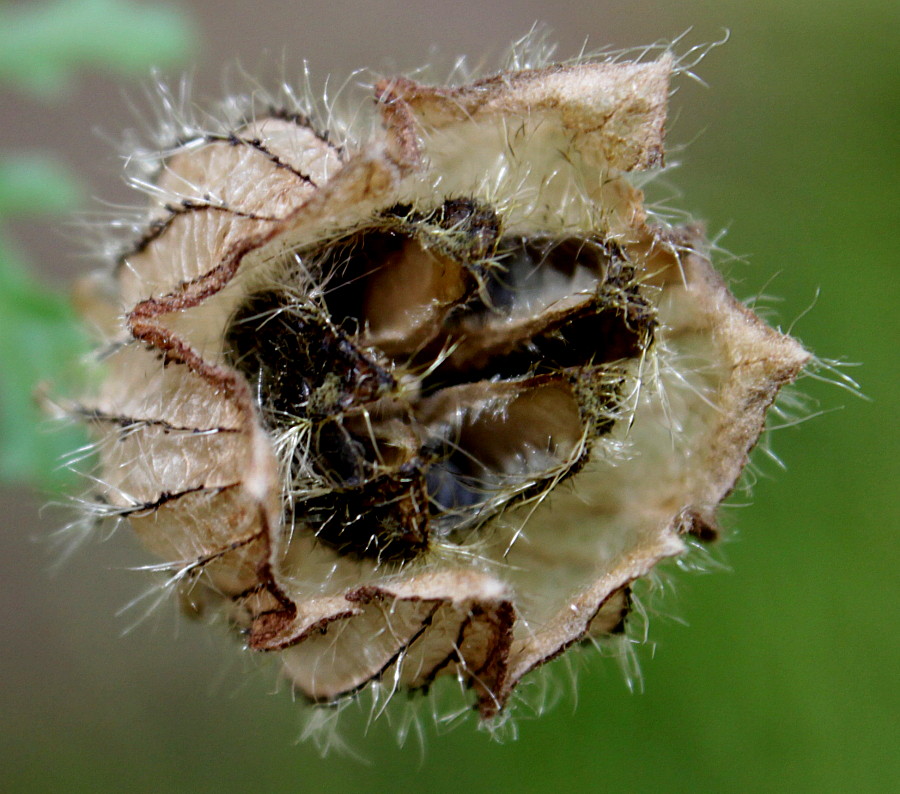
268 634
398 96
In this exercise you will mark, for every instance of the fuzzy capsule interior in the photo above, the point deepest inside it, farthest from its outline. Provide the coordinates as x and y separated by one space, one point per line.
427 402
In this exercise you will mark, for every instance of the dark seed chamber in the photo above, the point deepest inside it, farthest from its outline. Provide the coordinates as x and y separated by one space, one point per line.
448 373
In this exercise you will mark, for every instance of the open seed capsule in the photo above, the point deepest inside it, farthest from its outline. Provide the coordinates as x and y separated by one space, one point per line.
427 403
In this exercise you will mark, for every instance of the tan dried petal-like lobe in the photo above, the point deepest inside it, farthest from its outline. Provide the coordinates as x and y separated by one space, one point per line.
427 404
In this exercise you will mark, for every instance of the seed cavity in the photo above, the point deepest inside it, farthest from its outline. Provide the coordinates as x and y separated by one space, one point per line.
442 373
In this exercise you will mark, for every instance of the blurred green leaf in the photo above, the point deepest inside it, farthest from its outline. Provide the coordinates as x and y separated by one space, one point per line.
31 183
41 45
41 339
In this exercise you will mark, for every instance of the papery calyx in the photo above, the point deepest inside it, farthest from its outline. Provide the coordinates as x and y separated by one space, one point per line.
427 402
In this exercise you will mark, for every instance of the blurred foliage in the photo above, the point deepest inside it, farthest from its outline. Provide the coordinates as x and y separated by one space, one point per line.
41 336
43 44
41 47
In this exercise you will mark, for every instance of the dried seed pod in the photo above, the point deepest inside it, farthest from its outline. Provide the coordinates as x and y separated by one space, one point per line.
427 403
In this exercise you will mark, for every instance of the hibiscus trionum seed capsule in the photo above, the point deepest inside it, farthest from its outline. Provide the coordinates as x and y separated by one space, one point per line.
424 401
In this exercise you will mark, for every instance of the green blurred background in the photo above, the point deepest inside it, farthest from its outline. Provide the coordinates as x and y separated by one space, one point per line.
785 676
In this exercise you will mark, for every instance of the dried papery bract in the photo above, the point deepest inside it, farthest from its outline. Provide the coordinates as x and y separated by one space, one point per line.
426 403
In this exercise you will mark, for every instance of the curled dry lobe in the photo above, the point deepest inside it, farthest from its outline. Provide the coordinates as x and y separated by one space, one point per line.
426 404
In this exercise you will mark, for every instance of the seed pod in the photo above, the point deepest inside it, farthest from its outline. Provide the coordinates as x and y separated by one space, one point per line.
427 403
